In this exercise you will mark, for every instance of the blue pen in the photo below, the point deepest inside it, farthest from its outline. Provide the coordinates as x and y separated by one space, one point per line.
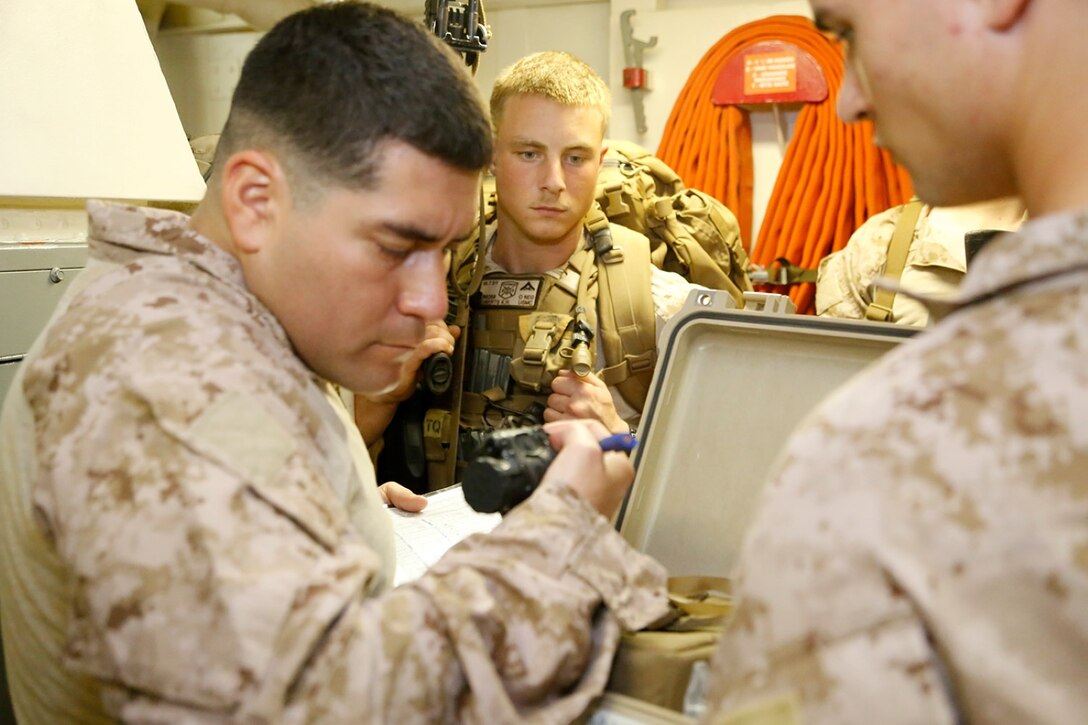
619 442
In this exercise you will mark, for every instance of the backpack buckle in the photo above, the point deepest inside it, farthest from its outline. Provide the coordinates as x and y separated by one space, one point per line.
878 313
641 362
602 245
540 341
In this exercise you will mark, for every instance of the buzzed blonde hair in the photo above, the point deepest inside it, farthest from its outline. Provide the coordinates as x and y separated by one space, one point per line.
555 75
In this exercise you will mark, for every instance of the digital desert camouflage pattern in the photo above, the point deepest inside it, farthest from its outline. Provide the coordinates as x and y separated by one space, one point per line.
935 265
191 518
921 554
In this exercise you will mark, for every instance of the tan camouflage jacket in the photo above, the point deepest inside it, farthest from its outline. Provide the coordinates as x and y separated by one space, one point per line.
203 543
935 265
921 554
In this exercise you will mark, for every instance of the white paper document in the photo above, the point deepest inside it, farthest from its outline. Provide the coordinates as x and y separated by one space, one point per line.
423 538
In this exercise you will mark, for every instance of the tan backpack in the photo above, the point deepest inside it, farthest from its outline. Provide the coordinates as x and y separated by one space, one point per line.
691 233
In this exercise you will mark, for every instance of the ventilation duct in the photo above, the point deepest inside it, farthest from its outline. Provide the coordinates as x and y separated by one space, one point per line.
86 110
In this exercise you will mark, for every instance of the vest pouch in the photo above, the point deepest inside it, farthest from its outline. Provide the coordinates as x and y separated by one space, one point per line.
538 354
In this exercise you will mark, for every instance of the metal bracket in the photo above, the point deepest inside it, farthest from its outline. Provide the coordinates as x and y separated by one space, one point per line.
634 75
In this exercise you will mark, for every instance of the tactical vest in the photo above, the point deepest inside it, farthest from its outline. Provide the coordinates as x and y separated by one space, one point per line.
520 330
525 328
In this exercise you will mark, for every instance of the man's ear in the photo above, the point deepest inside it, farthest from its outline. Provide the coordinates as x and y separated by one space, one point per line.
1001 15
252 193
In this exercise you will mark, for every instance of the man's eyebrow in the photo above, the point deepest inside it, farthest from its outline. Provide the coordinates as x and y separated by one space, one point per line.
532 143
413 233
523 141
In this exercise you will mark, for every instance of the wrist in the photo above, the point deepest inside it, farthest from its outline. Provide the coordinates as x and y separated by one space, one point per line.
622 426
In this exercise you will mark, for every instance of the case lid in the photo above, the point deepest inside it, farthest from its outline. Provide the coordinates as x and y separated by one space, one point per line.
729 387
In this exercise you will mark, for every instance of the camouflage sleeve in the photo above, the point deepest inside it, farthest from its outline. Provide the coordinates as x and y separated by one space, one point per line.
841 565
934 268
844 278
928 280
823 632
507 627
209 588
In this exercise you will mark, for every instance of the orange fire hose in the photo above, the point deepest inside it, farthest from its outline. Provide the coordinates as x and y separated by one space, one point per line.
832 179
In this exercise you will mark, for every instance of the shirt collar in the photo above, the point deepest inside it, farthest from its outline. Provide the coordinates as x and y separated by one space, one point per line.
1041 249
493 267
161 231
168 233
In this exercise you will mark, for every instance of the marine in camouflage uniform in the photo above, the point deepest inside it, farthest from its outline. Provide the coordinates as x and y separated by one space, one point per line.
207 540
921 554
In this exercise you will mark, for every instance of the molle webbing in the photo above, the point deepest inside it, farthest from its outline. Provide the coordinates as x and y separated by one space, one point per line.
617 270
628 323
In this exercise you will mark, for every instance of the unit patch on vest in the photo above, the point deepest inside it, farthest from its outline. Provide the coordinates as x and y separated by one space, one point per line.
520 292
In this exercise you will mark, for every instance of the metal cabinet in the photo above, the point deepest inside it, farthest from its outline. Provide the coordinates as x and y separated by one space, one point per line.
32 279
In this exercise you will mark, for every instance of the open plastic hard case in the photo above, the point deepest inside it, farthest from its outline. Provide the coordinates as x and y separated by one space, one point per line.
729 388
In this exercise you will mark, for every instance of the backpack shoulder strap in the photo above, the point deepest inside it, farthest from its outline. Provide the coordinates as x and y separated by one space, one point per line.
627 323
463 261
880 309
467 263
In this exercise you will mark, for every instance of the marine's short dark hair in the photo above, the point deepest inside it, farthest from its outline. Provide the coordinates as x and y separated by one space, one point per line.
326 86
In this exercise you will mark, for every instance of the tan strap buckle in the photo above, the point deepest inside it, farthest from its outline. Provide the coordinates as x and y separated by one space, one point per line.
878 313
662 208
643 361
612 256
540 341
615 205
